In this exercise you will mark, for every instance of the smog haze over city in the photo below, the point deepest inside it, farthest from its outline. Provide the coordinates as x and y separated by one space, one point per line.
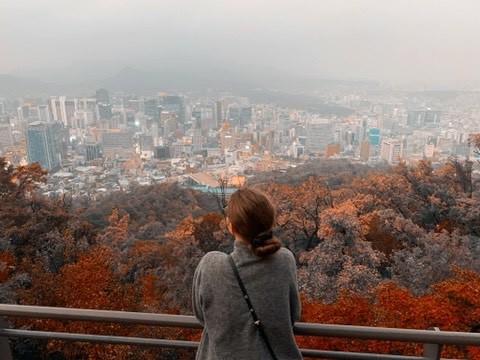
126 126
152 90
427 43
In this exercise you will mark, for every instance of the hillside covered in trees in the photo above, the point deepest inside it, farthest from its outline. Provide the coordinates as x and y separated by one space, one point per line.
393 247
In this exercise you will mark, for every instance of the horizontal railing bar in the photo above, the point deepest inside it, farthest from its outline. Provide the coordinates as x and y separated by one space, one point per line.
125 340
300 328
325 354
126 317
184 344
392 334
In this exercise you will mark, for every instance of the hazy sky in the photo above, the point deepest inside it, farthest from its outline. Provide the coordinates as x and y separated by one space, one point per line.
400 40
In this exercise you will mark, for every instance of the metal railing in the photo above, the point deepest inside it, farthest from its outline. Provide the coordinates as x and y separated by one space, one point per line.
432 339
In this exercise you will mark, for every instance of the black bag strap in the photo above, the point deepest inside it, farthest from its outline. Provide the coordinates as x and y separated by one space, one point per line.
256 320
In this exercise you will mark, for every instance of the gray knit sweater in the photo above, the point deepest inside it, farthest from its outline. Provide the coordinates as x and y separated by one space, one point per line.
229 332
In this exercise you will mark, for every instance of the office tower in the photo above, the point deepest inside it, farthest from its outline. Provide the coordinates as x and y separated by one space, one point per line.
240 116
45 144
297 149
137 105
364 150
319 133
117 143
82 118
374 136
362 130
68 107
196 117
130 120
44 113
54 109
105 111
219 112
63 110
285 123
197 140
174 104
6 136
23 112
423 118
226 140
161 152
168 123
93 149
152 108
102 96
391 151
155 133
432 117
145 142
87 104
204 114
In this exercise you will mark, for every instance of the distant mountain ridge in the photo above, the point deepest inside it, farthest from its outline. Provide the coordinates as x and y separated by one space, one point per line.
184 76
258 84
16 86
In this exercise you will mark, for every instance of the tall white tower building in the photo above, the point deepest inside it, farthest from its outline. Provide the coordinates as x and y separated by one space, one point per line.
391 151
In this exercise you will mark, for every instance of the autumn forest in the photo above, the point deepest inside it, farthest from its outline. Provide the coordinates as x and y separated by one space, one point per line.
387 246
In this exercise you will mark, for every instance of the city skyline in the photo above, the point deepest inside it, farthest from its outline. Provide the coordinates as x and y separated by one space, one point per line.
428 42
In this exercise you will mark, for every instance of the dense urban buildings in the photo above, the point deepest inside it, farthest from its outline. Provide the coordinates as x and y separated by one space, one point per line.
113 140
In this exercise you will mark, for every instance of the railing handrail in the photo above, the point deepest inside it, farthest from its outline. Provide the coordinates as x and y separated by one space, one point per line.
187 321
427 337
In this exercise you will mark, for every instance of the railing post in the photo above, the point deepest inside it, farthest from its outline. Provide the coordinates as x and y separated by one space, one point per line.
432 351
5 351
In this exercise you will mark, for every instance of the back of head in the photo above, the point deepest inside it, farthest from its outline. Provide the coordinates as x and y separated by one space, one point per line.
252 214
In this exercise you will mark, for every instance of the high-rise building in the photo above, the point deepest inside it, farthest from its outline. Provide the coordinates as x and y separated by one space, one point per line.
219 112
175 104
423 118
44 113
137 105
197 140
23 112
161 152
102 96
374 136
45 143
63 110
6 136
117 143
319 133
362 130
145 142
93 149
204 116
391 151
226 139
152 108
168 123
240 116
364 150
105 111
82 119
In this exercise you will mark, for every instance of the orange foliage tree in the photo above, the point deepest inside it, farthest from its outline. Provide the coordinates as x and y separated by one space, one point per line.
451 305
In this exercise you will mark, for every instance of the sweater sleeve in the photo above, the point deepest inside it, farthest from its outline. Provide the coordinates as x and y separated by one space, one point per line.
295 305
196 297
